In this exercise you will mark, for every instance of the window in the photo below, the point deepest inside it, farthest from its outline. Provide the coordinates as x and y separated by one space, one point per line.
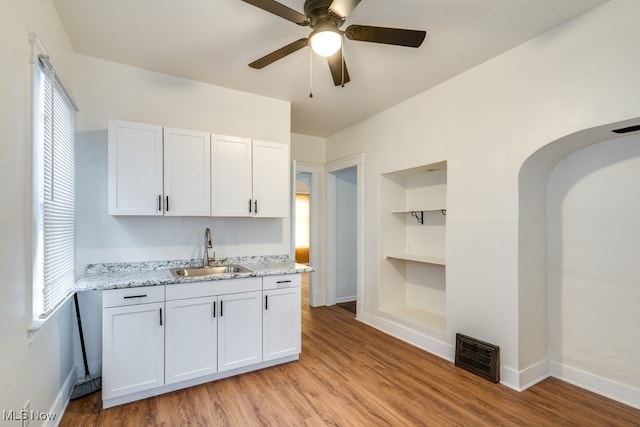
53 183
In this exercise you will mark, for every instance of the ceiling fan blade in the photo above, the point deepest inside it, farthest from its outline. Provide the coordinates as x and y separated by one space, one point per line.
335 65
394 36
343 8
279 54
280 10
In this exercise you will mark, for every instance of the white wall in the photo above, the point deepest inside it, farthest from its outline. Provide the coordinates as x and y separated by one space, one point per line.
308 149
594 242
485 123
38 370
134 94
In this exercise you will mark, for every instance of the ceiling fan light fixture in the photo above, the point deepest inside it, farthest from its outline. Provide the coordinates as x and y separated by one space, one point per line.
325 41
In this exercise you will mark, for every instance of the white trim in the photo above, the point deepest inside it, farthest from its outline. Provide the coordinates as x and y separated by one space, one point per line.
533 375
349 298
317 295
617 391
345 163
425 342
357 161
62 399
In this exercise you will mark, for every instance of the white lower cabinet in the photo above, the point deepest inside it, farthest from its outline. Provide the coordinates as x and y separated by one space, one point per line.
239 330
162 338
191 339
281 317
132 341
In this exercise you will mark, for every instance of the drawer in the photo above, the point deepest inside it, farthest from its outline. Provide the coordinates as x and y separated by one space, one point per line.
213 287
281 281
131 296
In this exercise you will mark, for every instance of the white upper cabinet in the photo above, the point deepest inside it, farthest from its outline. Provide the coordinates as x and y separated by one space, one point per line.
158 171
249 177
231 192
271 192
187 186
135 168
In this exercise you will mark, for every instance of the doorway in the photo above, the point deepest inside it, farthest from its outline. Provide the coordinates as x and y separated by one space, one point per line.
344 231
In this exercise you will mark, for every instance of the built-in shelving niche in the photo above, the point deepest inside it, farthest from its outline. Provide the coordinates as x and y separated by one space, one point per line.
413 271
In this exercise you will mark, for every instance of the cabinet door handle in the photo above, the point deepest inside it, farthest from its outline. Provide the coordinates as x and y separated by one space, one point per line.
266 302
283 281
249 205
135 296
167 204
160 316
255 207
214 309
221 308
159 203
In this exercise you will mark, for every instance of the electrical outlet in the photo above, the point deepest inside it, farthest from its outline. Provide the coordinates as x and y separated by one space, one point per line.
25 415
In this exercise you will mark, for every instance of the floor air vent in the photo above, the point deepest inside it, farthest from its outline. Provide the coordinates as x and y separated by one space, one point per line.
478 357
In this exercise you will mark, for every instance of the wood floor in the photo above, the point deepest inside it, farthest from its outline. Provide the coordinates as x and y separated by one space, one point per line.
352 375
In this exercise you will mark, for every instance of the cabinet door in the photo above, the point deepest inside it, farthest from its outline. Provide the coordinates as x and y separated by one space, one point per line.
271 186
239 330
191 339
135 168
230 176
281 323
132 349
187 173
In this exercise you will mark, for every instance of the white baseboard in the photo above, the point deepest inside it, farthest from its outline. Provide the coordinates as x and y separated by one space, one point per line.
522 380
62 399
413 337
346 299
318 298
614 390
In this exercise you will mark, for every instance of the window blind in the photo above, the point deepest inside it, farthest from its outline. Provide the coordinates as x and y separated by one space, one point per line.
56 202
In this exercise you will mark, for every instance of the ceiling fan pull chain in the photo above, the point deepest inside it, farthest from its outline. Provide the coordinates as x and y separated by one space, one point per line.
310 73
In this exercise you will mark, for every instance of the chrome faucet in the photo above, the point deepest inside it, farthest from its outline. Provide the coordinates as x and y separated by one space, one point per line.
207 245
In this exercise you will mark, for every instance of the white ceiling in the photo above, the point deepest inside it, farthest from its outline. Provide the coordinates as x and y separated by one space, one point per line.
214 40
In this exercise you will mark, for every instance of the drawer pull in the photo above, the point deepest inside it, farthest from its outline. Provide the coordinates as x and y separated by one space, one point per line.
135 296
283 281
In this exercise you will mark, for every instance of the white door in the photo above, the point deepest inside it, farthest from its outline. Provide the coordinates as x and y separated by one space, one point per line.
187 173
231 176
134 168
271 184
239 330
281 323
132 349
191 339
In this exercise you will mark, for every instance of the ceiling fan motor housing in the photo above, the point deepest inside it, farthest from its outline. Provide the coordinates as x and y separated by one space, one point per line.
320 16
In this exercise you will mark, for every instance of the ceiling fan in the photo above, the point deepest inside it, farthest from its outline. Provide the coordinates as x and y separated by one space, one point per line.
325 17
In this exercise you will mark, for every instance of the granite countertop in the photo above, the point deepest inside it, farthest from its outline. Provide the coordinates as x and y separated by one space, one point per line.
152 273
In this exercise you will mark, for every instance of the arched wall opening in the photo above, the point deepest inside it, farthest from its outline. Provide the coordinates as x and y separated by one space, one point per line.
579 247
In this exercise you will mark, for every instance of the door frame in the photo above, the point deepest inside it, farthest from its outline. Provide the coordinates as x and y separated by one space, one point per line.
317 297
332 168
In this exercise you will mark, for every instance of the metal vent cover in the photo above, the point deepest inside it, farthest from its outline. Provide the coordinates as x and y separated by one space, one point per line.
478 357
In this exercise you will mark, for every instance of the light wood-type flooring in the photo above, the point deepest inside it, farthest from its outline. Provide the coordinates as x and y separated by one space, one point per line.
352 375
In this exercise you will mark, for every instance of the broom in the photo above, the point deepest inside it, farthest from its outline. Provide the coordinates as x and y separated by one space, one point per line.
87 385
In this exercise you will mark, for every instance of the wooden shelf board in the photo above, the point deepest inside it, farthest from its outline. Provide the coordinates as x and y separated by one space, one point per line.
424 209
419 258
419 318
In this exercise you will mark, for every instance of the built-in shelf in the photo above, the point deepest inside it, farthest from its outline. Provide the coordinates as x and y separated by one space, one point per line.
430 209
418 258
413 227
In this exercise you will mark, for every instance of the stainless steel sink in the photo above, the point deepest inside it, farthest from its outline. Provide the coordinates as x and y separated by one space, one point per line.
209 271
